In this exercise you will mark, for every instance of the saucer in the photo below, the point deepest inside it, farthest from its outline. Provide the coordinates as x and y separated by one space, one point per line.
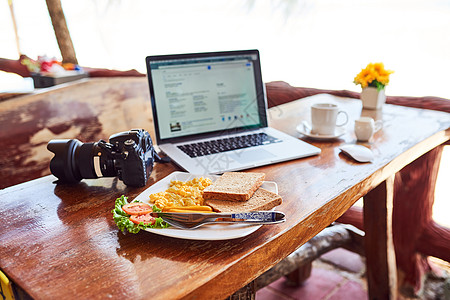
307 132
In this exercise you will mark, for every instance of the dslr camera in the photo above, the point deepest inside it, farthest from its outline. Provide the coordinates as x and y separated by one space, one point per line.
129 155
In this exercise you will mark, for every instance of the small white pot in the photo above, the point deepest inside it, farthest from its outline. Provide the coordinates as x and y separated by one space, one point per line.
372 98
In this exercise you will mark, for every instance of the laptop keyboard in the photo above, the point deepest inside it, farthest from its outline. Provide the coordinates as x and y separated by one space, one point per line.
227 144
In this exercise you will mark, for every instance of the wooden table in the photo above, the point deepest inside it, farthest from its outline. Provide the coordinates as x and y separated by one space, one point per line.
59 241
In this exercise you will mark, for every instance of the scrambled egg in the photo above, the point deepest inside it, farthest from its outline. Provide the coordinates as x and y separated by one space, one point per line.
181 193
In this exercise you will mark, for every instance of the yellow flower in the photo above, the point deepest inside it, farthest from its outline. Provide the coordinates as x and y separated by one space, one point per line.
373 75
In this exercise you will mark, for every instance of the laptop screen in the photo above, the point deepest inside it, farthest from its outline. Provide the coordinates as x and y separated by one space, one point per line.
197 94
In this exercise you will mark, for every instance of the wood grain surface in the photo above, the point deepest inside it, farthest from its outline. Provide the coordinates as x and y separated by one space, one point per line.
59 241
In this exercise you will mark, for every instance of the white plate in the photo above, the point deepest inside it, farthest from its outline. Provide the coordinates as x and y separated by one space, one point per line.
208 232
307 132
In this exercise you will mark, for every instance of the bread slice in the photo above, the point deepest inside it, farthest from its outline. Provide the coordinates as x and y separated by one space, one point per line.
234 186
262 199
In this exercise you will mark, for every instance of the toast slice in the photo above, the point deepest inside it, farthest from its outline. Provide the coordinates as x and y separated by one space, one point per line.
262 199
234 186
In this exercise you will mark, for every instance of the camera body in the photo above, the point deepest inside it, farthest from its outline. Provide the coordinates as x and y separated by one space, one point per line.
129 155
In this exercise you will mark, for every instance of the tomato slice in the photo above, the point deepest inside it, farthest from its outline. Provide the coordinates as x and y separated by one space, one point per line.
137 208
146 219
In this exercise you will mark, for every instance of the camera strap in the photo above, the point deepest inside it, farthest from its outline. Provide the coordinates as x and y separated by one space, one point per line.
159 159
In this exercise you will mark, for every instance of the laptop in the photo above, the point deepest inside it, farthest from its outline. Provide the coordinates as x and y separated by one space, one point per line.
210 113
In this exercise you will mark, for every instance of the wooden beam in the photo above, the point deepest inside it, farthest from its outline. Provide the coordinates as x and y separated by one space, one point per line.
61 31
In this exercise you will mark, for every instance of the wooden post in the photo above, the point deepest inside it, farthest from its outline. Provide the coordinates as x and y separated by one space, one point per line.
16 32
61 31
379 244
300 275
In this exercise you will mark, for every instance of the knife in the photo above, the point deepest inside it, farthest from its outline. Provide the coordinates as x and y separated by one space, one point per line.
262 216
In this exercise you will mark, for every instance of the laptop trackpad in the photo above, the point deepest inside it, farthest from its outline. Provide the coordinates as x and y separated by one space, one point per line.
251 155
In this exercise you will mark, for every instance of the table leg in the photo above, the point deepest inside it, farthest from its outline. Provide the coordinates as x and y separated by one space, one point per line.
379 246
248 292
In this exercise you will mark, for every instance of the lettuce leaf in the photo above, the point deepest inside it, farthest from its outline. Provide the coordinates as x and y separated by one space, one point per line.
122 219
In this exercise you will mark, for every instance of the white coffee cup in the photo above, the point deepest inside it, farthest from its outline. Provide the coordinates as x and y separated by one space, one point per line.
324 118
365 127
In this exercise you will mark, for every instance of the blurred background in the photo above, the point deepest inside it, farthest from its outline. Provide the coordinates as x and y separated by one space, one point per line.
310 43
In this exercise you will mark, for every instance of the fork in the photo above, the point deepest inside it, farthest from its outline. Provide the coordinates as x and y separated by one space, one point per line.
195 220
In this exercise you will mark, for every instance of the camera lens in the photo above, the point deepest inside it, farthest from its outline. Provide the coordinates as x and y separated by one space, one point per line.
74 161
129 155
61 164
